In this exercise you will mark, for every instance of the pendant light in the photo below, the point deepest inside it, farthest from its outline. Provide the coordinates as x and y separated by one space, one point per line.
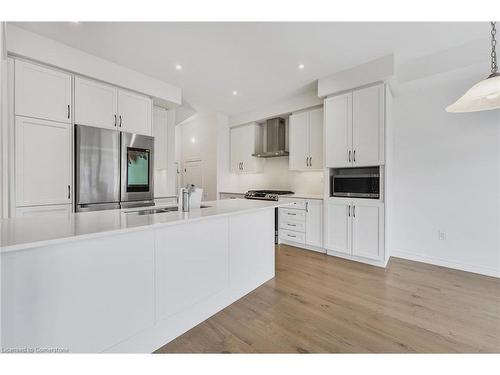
484 95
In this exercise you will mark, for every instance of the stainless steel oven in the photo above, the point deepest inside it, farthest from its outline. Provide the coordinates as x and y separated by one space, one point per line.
136 170
355 182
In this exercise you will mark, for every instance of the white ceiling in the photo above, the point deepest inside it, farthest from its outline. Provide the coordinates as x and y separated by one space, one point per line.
259 60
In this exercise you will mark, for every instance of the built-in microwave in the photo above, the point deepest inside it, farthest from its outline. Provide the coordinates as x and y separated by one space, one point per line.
355 182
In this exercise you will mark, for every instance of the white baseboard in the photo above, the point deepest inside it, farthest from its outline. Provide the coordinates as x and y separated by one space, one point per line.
446 263
302 246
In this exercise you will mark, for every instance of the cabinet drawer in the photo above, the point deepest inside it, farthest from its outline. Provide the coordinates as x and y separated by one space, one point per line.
292 236
290 214
295 203
299 226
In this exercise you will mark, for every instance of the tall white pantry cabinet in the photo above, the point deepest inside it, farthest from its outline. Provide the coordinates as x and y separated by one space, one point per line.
45 102
356 125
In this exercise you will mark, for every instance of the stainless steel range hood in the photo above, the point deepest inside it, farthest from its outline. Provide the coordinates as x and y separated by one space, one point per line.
275 129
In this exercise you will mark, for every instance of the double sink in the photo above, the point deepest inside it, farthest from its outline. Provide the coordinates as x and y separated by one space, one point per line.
160 210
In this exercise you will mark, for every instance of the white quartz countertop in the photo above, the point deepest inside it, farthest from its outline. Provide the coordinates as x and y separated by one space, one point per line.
28 232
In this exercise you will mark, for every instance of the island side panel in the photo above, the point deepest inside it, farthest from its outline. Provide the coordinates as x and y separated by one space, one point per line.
251 240
83 296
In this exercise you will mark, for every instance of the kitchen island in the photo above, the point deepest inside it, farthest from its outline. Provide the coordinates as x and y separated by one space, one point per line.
121 281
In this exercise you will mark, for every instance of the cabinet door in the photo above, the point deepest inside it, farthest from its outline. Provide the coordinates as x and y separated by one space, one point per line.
316 139
338 225
367 229
42 162
236 144
251 141
96 103
244 140
134 112
338 122
42 92
44 210
314 222
368 120
298 141
160 136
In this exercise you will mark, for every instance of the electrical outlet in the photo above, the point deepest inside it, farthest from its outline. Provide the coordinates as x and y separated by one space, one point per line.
441 235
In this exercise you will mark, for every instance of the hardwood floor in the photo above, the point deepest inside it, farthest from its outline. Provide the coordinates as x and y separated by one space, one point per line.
322 304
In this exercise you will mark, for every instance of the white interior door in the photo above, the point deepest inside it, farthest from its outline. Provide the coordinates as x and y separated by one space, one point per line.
135 112
338 123
193 173
42 162
298 141
316 139
42 92
367 120
367 229
338 225
96 103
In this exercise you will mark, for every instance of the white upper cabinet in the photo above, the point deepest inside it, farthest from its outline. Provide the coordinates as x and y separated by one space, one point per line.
96 103
43 162
316 139
134 112
338 130
355 128
298 143
306 140
368 126
244 141
42 92
105 106
160 135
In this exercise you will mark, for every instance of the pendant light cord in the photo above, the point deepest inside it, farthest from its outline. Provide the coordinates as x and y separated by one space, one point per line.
494 67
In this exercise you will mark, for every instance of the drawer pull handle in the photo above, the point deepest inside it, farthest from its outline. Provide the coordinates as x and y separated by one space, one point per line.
290 235
292 225
291 214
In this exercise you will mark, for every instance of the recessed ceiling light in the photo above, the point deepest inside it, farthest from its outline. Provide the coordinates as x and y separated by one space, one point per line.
301 66
178 66
235 92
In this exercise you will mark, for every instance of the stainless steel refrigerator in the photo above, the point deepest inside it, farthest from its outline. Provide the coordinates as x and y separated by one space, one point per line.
113 169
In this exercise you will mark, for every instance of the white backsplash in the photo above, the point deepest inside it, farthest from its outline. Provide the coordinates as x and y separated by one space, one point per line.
276 176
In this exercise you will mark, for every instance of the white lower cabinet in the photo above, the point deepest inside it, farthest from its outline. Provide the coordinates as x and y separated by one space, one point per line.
301 223
314 222
355 227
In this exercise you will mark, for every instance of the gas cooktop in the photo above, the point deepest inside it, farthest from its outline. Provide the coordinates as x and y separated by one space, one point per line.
266 195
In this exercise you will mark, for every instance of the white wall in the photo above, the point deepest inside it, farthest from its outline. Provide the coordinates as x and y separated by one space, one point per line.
446 177
197 140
